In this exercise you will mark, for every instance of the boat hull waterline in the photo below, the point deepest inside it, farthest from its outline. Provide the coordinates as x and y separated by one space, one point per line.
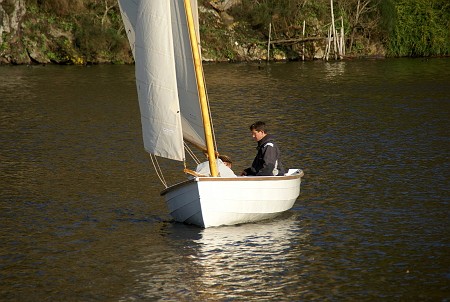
215 201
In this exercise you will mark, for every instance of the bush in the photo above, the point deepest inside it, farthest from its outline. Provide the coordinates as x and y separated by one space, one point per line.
421 28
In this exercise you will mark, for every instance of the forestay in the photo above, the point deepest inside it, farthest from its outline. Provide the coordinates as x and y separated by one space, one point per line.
167 89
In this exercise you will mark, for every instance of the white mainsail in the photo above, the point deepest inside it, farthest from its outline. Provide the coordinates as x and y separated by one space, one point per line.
167 89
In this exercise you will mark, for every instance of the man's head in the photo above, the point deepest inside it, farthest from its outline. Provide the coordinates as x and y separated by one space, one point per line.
259 130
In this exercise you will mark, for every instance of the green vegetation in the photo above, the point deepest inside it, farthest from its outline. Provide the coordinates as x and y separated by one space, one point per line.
421 28
402 27
91 31
74 32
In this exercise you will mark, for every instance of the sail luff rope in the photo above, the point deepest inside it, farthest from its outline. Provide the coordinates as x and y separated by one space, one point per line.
158 170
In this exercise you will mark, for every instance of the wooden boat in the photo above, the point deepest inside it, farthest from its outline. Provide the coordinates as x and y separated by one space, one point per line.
164 37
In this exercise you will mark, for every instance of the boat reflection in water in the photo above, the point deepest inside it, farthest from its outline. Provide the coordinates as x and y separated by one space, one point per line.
249 261
244 262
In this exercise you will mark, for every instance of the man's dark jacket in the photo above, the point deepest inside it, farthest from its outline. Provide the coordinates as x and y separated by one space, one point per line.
267 157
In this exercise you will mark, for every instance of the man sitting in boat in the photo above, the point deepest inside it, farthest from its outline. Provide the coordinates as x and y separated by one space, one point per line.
267 161
223 164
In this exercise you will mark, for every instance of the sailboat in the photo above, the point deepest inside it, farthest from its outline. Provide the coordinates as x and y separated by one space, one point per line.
175 114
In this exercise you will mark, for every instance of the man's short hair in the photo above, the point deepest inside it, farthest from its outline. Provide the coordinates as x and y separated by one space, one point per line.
259 126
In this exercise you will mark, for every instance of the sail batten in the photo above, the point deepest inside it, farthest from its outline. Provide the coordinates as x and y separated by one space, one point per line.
167 92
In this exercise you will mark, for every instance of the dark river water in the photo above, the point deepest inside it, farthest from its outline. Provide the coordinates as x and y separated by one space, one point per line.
81 218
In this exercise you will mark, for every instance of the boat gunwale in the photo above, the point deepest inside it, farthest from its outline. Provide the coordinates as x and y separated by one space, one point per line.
227 179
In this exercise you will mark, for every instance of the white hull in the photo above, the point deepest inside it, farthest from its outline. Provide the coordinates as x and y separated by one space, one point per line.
215 201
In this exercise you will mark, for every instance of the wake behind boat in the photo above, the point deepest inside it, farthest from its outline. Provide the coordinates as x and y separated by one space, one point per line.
164 37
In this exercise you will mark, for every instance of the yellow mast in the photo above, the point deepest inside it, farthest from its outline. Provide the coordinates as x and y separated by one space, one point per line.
201 90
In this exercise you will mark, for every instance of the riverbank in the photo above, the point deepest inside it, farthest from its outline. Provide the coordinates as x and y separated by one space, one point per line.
89 32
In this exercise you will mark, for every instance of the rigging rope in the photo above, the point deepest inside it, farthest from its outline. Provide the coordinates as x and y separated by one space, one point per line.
158 170
191 153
